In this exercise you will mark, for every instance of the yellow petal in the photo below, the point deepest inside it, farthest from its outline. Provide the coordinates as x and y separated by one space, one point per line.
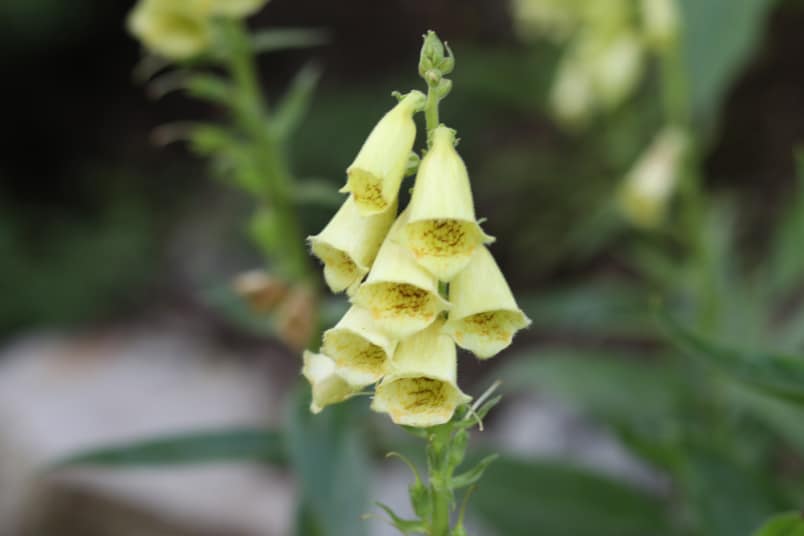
328 386
402 296
421 390
484 315
176 29
362 353
442 231
348 244
378 169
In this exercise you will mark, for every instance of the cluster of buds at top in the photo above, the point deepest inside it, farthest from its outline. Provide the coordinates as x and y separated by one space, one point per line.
182 29
403 325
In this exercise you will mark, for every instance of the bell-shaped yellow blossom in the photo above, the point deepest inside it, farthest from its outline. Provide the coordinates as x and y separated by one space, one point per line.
402 296
329 387
362 353
649 186
442 231
236 8
175 29
348 244
617 67
660 19
421 390
484 315
376 174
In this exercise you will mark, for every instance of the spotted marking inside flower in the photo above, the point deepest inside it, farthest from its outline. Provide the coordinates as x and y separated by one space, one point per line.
488 332
419 400
443 237
367 190
352 352
340 270
399 309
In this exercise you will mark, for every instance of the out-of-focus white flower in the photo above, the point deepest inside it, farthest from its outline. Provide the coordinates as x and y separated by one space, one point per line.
421 390
649 186
175 29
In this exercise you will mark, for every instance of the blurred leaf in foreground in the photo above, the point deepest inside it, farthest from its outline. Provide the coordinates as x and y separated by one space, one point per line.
789 524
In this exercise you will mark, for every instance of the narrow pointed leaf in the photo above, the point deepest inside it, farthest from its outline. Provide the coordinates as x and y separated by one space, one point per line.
474 474
286 38
405 526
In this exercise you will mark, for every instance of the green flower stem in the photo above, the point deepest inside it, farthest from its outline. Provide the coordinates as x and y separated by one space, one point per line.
431 109
251 112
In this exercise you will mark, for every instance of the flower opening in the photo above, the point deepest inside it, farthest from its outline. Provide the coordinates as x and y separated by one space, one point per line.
328 386
361 352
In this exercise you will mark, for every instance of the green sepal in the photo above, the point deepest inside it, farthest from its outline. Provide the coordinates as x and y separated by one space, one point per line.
405 526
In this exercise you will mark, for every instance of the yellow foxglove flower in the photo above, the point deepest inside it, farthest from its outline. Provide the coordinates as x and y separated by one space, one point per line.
236 8
362 353
175 29
329 387
617 67
348 244
378 169
402 296
648 188
572 94
421 390
442 231
660 19
484 315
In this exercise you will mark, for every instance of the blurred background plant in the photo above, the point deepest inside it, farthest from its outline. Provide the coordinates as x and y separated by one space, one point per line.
637 156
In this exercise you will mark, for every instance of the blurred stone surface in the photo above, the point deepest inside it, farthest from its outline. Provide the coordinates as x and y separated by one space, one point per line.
60 394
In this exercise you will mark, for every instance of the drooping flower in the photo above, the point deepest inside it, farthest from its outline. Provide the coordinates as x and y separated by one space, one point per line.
175 29
649 186
376 174
442 231
348 244
362 353
484 315
328 385
421 390
236 8
402 296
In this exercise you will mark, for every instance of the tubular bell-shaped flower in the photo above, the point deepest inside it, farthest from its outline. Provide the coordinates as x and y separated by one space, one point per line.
442 231
378 169
176 29
348 244
361 351
484 316
402 296
421 389
329 387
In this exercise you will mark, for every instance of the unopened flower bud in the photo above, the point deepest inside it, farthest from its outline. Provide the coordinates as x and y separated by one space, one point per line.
328 386
421 390
362 353
649 186
442 231
378 169
175 29
348 244
432 53
402 296
484 316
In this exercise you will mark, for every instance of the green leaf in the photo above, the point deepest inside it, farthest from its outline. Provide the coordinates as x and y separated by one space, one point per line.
319 192
786 264
286 38
780 375
727 498
523 498
294 104
718 38
405 526
328 455
789 524
210 87
474 474
783 418
196 447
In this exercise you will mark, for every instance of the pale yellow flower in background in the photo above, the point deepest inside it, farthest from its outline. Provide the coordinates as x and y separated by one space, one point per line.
175 29
421 390
362 353
442 230
660 21
349 243
402 296
484 315
649 186
572 97
328 386
236 8
376 174
616 67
